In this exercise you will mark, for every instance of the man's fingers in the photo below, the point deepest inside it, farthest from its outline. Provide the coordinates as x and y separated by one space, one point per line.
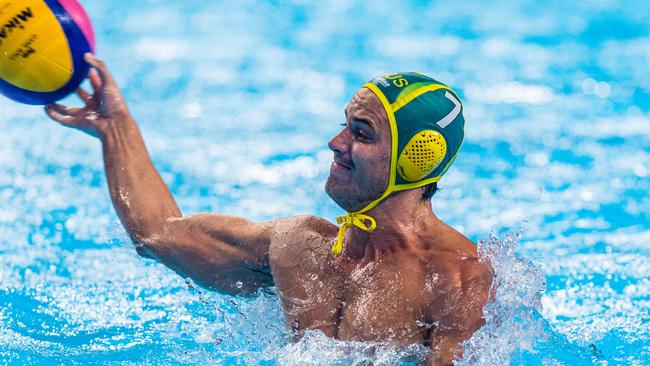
62 110
61 118
84 95
95 80
101 68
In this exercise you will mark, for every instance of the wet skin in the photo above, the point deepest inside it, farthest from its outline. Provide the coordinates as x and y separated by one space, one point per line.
412 280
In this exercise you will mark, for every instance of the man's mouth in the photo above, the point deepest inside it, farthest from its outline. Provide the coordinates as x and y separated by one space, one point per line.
338 163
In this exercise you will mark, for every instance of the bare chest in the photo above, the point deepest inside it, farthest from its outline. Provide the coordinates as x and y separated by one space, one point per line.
383 302
374 301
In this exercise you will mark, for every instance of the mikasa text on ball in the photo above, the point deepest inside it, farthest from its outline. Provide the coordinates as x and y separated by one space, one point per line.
42 43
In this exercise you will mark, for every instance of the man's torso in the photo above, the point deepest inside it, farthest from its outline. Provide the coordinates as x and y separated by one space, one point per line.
400 297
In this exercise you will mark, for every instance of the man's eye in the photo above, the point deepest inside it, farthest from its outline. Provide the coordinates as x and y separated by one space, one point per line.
344 124
361 134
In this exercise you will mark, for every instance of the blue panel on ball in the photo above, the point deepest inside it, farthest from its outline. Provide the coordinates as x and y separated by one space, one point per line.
79 45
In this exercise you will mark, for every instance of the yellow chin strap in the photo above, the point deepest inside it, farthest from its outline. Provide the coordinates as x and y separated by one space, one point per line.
349 220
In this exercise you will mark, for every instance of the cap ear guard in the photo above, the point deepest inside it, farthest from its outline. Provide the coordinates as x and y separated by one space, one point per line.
421 155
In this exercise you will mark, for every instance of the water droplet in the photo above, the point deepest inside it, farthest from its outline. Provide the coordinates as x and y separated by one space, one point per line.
239 284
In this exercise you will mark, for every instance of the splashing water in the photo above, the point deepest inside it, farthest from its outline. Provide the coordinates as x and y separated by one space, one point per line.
511 317
514 328
252 331
317 349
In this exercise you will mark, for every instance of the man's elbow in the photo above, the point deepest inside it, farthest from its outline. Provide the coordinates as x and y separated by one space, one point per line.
147 243
147 233
143 250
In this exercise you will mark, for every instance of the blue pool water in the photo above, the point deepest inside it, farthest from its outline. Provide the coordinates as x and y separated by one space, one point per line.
237 100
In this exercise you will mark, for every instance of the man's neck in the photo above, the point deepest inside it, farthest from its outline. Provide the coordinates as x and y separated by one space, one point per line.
402 220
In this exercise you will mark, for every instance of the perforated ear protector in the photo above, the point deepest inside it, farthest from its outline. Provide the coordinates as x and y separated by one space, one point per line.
421 155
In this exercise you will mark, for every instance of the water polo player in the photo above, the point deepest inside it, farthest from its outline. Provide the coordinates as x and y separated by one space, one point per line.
392 271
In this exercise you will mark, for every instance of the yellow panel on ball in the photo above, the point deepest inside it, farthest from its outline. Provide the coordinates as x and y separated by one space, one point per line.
34 50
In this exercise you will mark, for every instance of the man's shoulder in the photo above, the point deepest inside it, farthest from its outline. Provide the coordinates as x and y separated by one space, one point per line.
446 250
296 226
464 260
455 276
298 233
454 241
460 269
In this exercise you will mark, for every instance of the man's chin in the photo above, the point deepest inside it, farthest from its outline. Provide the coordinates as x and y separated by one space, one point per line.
342 196
339 193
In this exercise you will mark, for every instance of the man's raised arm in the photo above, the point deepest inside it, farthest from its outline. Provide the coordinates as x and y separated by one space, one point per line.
225 253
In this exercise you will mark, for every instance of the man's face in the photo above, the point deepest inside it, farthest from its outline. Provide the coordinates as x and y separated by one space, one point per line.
359 173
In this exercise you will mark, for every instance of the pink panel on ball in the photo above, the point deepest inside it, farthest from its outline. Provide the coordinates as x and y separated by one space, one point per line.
80 17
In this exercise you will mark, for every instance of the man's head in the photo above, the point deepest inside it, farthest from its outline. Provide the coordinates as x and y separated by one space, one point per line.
402 131
359 173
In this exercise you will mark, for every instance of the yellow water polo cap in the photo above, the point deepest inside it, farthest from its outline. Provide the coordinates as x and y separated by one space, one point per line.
427 129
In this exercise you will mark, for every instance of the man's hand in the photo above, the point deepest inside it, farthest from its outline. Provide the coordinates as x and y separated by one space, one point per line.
106 105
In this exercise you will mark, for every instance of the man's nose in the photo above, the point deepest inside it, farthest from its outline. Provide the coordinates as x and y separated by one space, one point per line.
339 143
